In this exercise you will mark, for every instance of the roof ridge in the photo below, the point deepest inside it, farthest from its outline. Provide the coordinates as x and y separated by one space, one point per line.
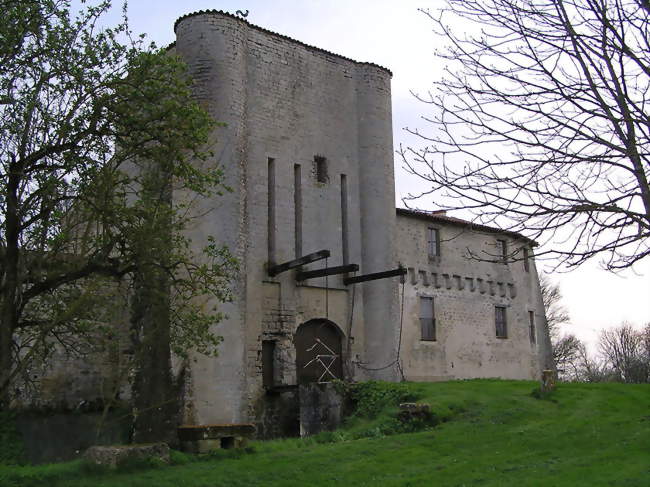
461 221
282 36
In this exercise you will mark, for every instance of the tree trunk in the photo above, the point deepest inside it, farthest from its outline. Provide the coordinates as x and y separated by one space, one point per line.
154 401
9 298
154 397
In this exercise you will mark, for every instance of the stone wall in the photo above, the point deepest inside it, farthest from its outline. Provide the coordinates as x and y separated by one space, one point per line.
288 108
466 282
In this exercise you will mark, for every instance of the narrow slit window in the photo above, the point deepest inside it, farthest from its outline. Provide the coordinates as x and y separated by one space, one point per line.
502 248
344 219
427 319
297 204
531 327
321 169
268 366
271 211
526 258
500 322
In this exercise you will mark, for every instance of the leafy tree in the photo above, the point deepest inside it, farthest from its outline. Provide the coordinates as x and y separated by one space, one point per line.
99 138
541 123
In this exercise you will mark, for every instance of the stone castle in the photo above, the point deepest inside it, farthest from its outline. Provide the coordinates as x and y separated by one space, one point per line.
334 282
312 218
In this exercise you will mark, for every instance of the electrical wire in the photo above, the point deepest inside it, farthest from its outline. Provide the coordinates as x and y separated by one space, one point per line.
399 345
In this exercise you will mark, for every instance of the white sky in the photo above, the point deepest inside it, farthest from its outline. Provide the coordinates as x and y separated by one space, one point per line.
393 34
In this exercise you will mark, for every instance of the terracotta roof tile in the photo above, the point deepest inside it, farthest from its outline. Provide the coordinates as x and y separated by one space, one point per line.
439 216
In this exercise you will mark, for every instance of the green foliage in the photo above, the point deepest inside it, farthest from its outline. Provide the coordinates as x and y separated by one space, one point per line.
370 398
98 131
11 443
375 410
538 393
495 434
224 454
179 458
56 474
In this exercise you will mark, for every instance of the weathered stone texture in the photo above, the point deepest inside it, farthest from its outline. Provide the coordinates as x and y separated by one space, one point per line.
288 102
321 408
115 455
468 282
287 106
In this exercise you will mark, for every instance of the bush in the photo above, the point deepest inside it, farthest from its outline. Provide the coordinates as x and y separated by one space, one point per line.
12 450
370 398
179 458
375 411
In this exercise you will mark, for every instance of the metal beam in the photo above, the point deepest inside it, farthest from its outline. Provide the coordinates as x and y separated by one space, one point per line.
400 271
305 259
327 271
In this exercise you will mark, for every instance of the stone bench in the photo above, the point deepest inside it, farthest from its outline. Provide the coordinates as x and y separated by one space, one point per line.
203 438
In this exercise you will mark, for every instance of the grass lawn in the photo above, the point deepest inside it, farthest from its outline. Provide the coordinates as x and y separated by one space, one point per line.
494 433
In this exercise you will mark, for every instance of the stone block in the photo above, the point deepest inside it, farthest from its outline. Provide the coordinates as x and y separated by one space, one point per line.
115 455
203 438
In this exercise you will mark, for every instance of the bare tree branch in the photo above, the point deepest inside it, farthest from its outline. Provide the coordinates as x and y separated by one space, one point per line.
541 124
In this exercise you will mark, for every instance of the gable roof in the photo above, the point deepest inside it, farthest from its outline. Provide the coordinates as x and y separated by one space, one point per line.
440 217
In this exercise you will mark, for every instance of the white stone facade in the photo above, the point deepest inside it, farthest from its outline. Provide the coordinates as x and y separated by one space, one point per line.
288 108
464 279
307 150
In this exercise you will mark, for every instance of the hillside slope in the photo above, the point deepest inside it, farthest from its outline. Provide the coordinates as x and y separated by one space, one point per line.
495 433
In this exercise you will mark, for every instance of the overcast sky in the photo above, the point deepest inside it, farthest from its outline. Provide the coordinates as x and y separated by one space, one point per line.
395 35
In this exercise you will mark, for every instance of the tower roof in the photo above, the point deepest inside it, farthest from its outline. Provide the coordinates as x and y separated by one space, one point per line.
267 31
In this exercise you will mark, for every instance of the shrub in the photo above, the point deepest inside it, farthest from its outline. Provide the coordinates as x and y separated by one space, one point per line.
12 450
370 398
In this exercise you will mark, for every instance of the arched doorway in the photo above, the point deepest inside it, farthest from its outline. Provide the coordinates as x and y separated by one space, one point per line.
318 352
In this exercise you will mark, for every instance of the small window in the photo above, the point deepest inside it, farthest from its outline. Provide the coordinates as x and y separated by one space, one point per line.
531 327
502 248
268 372
427 320
526 257
320 164
433 243
500 322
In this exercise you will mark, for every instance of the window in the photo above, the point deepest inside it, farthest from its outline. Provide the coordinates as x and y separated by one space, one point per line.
500 321
531 327
433 243
297 210
427 320
526 257
268 372
270 222
502 249
344 220
320 164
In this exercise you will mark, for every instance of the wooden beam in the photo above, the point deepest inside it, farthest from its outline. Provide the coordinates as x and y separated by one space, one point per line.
305 259
400 271
327 271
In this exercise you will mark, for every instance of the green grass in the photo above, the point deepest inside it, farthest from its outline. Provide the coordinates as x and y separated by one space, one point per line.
490 433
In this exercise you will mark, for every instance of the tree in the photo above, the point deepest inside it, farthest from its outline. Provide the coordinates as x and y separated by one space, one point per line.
591 369
98 134
565 347
556 313
541 123
625 350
